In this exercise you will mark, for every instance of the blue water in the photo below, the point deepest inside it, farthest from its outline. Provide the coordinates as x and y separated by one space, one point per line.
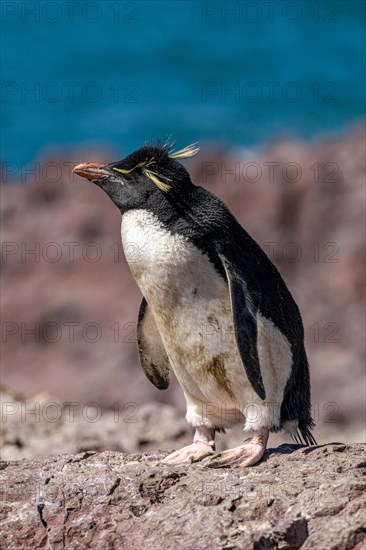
119 73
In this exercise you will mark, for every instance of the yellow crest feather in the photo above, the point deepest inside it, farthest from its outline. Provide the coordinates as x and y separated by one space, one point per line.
123 171
139 165
154 178
188 151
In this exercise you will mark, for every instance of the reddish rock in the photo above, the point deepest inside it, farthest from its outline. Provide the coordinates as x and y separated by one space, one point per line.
295 498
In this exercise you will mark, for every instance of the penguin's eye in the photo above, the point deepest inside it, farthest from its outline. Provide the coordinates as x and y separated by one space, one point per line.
128 178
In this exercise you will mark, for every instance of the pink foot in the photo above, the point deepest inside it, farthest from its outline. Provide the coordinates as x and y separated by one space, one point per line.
244 455
203 445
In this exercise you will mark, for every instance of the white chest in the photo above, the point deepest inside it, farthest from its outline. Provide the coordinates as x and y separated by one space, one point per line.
189 300
162 262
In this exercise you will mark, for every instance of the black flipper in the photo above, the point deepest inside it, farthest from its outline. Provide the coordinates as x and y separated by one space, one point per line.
152 354
245 325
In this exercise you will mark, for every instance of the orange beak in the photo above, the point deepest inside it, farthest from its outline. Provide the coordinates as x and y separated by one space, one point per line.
91 170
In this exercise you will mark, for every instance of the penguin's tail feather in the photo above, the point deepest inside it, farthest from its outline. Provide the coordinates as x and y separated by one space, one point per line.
303 436
296 415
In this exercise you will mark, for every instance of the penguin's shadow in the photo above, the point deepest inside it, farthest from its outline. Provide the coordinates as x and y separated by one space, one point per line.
289 448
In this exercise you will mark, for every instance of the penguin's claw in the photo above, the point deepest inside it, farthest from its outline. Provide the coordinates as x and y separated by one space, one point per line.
192 453
243 456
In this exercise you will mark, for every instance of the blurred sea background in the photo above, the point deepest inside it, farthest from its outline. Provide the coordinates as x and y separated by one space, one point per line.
274 91
235 73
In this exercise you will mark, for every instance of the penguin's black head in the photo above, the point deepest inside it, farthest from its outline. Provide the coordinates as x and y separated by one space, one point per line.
147 172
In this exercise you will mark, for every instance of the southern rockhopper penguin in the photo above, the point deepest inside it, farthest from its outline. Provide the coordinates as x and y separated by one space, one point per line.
214 307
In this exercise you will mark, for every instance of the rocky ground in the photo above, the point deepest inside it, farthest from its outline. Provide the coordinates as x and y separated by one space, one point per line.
100 488
295 498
